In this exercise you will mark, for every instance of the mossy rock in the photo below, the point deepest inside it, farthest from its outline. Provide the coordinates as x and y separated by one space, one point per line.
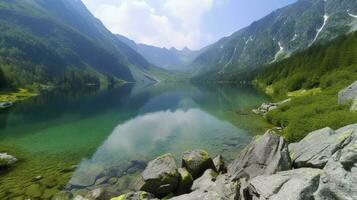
185 182
49 182
197 162
135 196
34 191
49 193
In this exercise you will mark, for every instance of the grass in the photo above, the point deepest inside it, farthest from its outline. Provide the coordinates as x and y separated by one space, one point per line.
309 111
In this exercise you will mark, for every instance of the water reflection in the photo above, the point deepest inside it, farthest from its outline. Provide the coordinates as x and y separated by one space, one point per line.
152 134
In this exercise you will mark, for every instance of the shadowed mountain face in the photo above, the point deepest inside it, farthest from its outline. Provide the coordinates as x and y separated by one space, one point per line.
276 36
170 59
56 41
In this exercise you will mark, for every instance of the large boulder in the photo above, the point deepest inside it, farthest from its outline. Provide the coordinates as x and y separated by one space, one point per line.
267 154
6 160
348 94
212 187
197 162
319 146
299 184
160 177
140 195
339 180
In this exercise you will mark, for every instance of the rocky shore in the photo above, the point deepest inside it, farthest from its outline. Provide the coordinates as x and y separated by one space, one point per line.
321 166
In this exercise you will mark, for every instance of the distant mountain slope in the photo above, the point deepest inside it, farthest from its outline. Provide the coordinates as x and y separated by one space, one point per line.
169 59
59 41
276 36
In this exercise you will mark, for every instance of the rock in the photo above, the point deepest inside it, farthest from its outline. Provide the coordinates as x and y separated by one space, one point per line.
220 187
298 184
69 169
37 178
102 180
185 182
160 177
63 195
6 104
49 182
197 162
354 106
96 194
267 107
34 191
267 154
6 160
220 164
348 94
205 181
319 146
136 196
86 176
339 180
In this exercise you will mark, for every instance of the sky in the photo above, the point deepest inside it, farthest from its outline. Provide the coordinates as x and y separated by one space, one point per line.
180 23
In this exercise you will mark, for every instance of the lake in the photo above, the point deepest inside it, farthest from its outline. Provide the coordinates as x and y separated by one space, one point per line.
76 139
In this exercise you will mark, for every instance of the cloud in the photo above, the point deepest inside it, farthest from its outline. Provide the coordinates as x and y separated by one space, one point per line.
163 23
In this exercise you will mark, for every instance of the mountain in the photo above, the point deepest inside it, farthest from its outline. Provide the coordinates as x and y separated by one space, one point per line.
61 42
274 37
169 59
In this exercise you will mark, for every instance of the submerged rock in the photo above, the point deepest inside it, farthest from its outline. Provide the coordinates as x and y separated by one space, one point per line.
267 154
319 146
6 160
135 196
296 184
63 195
197 162
160 177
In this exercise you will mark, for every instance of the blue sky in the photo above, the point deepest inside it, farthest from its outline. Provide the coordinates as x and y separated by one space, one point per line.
180 23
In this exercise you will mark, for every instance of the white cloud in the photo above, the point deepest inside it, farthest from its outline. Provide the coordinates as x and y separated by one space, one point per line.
163 23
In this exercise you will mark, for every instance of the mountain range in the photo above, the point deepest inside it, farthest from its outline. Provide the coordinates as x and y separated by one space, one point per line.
170 59
61 42
274 37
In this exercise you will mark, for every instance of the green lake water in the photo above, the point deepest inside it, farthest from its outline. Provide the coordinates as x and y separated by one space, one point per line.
109 135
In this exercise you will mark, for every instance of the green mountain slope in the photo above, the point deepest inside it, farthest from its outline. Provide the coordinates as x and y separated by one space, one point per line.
312 78
276 36
169 59
60 42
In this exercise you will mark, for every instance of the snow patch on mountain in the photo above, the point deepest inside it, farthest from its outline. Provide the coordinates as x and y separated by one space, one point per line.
229 62
320 29
280 52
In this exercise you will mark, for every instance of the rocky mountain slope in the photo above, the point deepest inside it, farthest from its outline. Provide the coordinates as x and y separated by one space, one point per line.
276 36
47 41
170 59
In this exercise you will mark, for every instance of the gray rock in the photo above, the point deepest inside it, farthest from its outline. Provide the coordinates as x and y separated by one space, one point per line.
339 180
186 181
267 154
299 184
210 188
318 146
267 107
96 194
140 195
220 164
348 94
160 177
197 162
205 181
6 160
63 195
6 104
